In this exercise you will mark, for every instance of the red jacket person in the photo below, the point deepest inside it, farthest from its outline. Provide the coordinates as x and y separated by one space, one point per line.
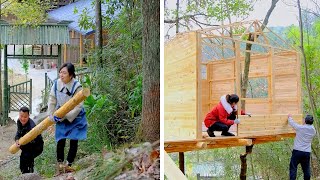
219 119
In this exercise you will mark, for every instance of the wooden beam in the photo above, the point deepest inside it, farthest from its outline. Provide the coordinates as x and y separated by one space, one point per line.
223 142
207 143
61 112
245 41
235 24
171 171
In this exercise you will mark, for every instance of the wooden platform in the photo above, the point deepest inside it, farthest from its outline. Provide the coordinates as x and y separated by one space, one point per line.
221 142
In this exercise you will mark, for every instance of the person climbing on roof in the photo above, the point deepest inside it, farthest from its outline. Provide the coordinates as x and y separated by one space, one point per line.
223 115
302 147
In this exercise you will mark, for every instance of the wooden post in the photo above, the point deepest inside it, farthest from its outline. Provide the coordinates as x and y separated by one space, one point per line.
81 49
238 75
6 90
238 72
65 53
30 98
272 76
181 162
61 112
199 88
59 59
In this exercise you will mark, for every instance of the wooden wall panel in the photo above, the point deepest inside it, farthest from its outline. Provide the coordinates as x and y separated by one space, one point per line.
258 65
222 70
286 86
180 87
258 125
220 88
257 107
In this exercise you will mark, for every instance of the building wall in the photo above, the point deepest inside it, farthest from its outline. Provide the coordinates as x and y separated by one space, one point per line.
180 88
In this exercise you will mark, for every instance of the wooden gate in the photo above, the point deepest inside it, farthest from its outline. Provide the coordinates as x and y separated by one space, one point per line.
20 95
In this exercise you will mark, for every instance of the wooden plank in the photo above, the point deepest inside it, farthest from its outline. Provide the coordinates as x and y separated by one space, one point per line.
266 124
171 170
299 96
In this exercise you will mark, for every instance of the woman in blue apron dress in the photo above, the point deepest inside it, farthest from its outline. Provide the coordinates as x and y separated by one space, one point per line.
74 125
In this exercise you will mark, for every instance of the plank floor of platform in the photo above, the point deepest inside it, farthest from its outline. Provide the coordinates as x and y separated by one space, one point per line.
221 142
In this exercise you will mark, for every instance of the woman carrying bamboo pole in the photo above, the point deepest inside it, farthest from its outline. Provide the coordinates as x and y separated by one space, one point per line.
74 125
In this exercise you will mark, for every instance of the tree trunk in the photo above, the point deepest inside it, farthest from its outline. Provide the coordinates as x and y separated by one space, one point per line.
306 73
1 92
243 174
245 78
243 158
98 32
151 70
177 18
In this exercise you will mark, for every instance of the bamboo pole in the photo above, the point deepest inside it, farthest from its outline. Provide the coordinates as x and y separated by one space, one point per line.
61 112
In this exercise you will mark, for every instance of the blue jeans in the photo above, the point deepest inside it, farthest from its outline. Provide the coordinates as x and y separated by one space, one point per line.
303 158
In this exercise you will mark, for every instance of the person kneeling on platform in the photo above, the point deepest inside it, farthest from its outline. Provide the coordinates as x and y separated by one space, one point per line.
223 115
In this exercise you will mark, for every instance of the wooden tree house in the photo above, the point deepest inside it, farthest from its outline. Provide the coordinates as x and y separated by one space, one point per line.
201 66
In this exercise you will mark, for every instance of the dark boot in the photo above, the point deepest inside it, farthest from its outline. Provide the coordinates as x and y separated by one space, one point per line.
210 133
227 134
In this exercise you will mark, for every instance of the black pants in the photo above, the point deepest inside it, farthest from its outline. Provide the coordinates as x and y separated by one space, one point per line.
303 158
28 153
72 150
218 126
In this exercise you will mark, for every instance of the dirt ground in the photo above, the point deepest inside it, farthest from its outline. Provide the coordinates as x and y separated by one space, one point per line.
7 134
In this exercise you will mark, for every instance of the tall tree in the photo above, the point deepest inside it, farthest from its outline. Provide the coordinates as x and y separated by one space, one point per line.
98 32
306 69
151 70
245 78
31 12
202 12
244 84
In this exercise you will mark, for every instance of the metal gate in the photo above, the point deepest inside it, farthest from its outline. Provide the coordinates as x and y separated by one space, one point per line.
20 95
